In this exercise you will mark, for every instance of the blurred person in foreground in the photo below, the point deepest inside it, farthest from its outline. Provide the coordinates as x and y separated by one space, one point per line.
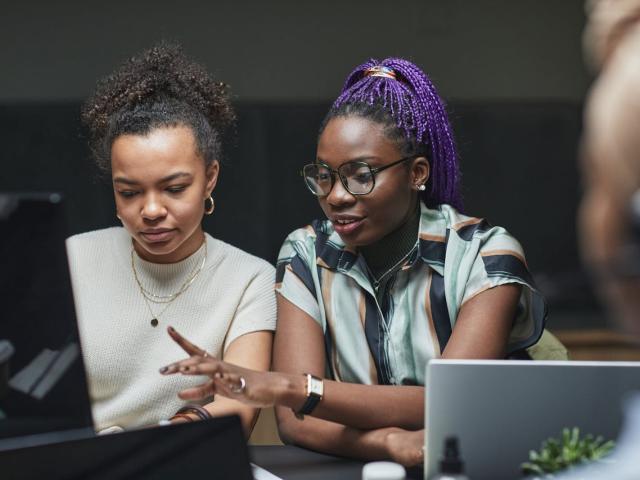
609 217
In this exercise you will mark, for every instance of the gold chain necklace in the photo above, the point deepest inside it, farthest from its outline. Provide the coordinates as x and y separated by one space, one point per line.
149 297
155 298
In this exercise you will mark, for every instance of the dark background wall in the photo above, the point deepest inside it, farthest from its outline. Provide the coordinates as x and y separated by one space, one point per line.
510 70
299 50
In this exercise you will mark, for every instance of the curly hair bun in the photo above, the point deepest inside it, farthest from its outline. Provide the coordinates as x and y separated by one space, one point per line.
162 72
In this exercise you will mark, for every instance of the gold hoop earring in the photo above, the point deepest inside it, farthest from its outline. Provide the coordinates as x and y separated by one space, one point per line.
209 210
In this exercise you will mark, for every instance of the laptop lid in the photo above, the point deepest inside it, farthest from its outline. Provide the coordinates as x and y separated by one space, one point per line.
213 449
500 410
42 379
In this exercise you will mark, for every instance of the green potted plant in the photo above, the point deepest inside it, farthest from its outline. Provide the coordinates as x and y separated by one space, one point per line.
567 452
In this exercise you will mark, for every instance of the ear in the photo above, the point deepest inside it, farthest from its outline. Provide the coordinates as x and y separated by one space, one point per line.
420 172
211 173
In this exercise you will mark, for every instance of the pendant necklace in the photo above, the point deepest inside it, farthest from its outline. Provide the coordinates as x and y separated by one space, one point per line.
166 300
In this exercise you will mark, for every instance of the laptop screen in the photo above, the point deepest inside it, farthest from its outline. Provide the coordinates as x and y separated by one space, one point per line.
42 381
500 410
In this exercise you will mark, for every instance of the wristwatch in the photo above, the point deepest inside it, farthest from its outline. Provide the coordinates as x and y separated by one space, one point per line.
315 390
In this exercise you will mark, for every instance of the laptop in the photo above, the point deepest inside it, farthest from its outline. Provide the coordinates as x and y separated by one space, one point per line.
43 389
46 427
501 409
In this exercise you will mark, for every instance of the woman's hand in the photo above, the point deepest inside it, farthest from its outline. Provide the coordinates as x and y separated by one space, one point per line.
257 389
405 447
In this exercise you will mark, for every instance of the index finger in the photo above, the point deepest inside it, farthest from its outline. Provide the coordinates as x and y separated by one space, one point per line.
185 344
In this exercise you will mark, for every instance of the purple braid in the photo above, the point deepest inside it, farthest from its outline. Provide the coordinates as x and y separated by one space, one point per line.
418 112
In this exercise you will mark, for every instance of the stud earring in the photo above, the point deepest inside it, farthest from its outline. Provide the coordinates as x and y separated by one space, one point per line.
422 188
209 210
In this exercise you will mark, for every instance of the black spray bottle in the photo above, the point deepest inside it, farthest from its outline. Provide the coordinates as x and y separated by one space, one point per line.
451 465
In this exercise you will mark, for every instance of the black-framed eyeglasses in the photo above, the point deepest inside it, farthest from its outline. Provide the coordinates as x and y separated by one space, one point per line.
358 178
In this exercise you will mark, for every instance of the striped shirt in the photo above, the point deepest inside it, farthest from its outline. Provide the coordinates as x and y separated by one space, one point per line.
389 339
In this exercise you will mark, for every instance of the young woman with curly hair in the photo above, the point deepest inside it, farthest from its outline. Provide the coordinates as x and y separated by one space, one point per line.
155 128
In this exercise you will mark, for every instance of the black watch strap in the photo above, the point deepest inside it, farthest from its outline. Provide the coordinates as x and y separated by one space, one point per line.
313 396
309 405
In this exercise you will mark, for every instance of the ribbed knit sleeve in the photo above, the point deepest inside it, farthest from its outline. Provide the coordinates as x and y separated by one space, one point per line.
257 308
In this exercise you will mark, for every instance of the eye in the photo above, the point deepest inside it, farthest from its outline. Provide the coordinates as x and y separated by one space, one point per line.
176 188
127 193
362 176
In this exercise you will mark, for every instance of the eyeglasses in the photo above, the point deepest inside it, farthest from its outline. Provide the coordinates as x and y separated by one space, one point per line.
358 178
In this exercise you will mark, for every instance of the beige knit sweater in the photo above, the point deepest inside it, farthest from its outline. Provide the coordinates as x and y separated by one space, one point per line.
232 295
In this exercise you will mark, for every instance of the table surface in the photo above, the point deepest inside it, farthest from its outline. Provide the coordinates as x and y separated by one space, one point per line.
294 463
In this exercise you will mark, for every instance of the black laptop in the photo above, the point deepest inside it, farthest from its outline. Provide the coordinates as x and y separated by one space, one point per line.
42 384
46 428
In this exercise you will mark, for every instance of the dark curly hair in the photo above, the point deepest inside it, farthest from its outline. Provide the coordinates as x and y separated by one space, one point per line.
160 87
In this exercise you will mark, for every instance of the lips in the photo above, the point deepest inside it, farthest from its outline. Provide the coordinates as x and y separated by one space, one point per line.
158 235
346 224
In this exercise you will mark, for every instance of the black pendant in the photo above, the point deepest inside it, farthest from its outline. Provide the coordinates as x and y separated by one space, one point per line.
154 322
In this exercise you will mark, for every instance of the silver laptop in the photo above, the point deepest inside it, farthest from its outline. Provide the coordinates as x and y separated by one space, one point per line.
501 409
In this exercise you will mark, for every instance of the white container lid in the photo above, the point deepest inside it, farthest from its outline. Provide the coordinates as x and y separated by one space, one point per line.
383 471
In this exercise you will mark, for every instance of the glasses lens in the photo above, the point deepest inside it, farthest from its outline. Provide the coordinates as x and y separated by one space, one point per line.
318 179
358 176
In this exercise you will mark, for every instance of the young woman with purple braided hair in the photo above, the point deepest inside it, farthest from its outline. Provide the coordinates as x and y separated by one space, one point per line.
394 276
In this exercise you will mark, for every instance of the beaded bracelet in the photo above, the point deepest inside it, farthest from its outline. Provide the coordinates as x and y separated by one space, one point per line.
182 415
199 411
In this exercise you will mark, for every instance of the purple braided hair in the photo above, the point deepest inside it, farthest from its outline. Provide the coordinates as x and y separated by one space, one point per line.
413 103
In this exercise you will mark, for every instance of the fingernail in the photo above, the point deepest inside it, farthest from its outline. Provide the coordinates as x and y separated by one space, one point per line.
171 329
164 369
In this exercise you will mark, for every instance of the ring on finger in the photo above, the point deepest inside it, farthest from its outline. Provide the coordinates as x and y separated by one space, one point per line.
240 388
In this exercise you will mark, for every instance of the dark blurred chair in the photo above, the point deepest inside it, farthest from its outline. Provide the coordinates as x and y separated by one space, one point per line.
599 344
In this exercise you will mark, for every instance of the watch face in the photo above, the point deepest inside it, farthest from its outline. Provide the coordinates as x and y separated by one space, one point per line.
316 387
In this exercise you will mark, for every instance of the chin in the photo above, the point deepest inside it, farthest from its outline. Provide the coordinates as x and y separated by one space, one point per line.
357 242
159 249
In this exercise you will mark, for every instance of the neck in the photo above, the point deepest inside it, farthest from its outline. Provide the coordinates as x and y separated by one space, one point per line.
387 252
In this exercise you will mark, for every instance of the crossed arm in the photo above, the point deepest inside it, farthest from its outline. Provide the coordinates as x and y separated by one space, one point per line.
363 420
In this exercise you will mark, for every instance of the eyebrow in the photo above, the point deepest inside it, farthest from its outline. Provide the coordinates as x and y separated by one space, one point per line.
364 158
166 179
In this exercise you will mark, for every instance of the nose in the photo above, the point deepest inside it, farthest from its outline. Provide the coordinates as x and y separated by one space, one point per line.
339 196
153 208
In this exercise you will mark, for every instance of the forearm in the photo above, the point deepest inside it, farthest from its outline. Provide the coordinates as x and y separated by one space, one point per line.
333 438
225 406
363 407
299 348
